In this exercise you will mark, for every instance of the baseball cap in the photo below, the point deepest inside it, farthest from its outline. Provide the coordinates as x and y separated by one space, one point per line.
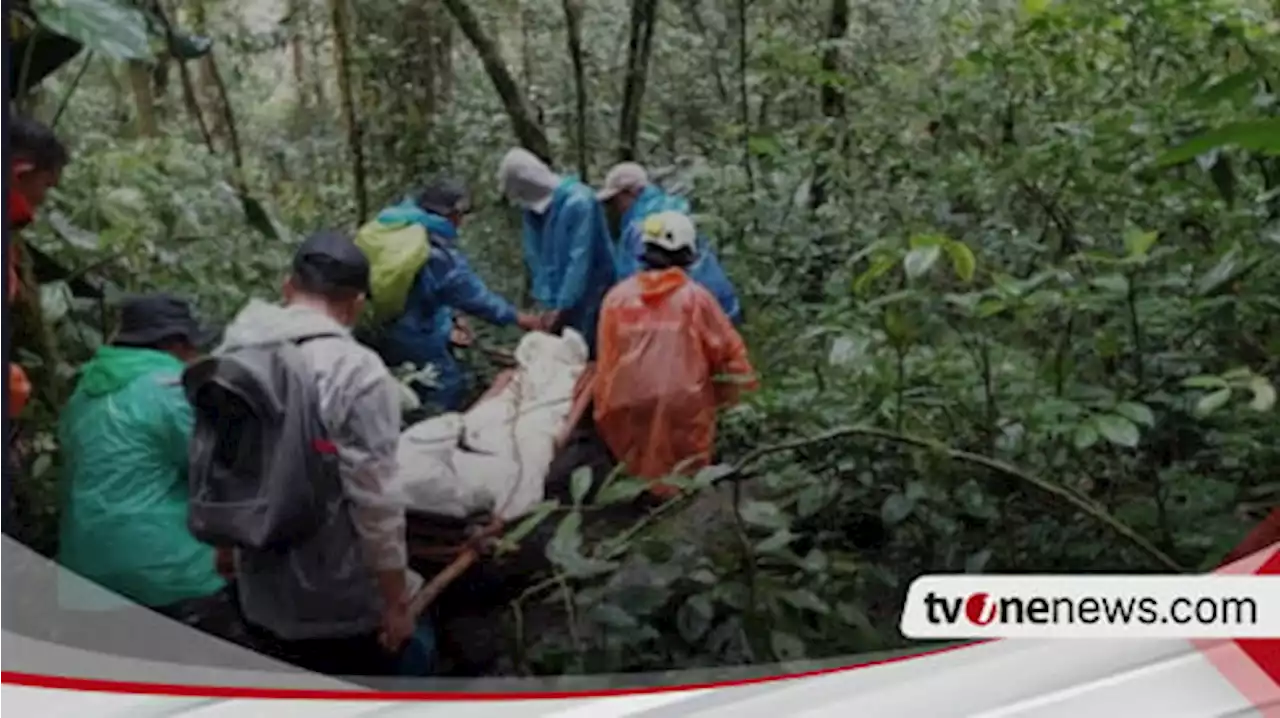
330 259
624 176
149 319
444 197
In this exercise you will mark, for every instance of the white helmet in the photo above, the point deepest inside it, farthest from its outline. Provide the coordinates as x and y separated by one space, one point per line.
671 230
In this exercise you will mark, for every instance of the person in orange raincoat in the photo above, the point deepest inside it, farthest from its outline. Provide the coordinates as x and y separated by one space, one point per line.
37 159
668 358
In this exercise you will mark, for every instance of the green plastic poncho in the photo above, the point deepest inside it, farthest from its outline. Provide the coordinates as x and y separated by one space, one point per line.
124 438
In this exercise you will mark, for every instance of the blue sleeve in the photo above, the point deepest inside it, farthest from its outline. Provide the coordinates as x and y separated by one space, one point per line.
580 223
708 272
628 259
459 287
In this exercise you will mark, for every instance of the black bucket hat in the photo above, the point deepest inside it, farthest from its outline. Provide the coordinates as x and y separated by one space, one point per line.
151 319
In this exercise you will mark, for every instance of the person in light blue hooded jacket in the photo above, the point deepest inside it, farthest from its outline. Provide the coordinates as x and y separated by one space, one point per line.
567 245
630 197
421 335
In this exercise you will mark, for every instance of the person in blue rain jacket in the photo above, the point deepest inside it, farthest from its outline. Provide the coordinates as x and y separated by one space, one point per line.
567 245
421 335
630 197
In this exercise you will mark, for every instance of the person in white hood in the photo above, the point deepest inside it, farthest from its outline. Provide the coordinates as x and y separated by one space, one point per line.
567 245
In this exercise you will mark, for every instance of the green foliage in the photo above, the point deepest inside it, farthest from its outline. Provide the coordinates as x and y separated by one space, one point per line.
1048 237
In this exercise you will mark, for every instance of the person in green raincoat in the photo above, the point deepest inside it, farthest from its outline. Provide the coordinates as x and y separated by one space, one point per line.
124 436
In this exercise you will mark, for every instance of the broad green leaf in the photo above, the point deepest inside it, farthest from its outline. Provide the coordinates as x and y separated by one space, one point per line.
1210 403
918 262
1205 381
963 263
580 484
1221 272
74 236
896 508
1135 412
879 267
786 647
612 616
806 600
1035 8
1138 243
778 541
1112 283
1086 435
105 26
977 561
41 466
921 241
566 544
1264 394
1256 135
620 490
1118 430
55 301
530 522
694 617
764 514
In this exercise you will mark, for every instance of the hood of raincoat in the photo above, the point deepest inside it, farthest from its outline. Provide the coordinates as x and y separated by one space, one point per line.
409 211
262 322
527 180
113 368
659 284
653 200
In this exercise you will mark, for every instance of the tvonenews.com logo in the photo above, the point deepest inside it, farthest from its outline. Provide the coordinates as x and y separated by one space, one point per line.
983 609
1092 606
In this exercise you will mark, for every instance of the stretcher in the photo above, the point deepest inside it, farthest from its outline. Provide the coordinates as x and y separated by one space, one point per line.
446 547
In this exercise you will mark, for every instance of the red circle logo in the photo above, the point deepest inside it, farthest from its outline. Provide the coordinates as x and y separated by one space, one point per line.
980 609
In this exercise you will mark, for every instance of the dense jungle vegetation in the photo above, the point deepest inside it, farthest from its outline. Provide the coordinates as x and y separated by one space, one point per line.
1010 269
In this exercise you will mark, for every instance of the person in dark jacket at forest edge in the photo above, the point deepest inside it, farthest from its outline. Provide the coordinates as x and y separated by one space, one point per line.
421 335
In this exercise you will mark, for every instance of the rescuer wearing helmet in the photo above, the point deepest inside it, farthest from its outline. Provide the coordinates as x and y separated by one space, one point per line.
668 358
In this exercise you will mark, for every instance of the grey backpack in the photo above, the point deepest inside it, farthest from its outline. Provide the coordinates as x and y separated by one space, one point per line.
262 472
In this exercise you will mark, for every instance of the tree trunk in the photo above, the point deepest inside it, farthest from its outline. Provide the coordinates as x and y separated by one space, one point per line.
297 52
228 121
573 20
444 54
189 97
143 99
527 130
832 100
341 54
644 14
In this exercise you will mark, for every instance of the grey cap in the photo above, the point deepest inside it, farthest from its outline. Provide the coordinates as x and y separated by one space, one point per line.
624 176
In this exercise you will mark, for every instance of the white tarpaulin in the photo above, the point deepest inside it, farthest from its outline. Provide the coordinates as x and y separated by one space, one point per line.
495 457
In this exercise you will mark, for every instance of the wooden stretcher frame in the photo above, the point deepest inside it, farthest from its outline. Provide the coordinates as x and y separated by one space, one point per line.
470 551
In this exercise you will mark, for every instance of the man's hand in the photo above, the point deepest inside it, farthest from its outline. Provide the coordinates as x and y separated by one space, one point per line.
397 622
397 626
461 335
529 322
550 320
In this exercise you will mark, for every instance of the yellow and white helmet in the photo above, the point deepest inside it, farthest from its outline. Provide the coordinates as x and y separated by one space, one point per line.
670 230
